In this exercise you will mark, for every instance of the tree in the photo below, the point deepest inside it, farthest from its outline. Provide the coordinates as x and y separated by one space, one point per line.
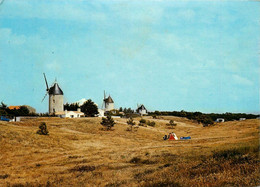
131 123
89 108
3 108
107 122
171 124
71 107
23 111
157 113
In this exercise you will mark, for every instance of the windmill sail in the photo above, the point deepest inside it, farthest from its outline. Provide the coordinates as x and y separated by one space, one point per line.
46 82
47 87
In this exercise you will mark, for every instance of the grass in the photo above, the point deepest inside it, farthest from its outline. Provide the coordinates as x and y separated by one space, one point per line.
77 153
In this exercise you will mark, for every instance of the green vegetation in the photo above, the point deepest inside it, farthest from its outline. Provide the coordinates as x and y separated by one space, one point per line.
150 123
89 108
71 107
22 111
131 123
108 122
205 119
143 122
42 129
171 124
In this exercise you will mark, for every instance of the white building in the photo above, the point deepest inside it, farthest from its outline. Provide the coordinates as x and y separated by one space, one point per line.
142 110
101 113
70 114
220 120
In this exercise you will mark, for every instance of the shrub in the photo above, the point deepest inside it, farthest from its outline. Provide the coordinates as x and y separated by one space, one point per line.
142 122
131 123
171 124
150 123
42 129
107 122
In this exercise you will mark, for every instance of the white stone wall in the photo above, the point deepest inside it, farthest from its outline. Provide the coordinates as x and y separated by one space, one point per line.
142 112
109 106
55 103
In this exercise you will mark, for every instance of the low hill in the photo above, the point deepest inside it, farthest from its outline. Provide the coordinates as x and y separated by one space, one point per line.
77 152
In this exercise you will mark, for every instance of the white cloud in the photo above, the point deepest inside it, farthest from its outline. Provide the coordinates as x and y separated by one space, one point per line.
61 10
54 66
242 80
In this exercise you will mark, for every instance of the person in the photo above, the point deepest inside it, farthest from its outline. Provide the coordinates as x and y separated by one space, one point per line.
165 137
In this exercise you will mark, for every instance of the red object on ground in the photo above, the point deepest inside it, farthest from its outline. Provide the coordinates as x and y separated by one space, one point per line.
171 137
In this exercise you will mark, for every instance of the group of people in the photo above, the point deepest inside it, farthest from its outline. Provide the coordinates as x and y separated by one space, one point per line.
170 136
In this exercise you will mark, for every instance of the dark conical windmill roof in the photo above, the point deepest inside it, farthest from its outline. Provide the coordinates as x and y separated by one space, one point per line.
55 90
141 108
109 100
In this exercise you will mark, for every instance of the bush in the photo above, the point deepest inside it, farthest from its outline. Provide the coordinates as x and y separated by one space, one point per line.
150 123
171 124
107 122
42 129
131 123
142 120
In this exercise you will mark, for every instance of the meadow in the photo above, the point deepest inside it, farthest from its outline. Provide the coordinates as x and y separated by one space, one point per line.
77 152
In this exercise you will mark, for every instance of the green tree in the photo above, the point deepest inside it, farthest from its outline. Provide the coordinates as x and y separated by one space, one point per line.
108 122
23 111
157 113
89 108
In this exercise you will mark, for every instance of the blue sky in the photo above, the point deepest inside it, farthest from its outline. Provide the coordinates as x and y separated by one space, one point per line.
167 55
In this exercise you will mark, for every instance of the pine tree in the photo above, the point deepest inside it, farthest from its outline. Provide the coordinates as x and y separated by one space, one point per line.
108 122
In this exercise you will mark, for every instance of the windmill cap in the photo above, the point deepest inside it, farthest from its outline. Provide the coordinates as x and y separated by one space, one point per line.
109 100
141 107
55 90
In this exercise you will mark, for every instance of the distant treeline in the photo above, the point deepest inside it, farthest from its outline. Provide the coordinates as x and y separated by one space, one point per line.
22 111
205 118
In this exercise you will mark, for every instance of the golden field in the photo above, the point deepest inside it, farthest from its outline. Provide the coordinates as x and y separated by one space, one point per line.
77 152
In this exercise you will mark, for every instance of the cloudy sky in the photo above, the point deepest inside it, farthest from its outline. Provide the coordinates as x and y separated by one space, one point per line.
167 55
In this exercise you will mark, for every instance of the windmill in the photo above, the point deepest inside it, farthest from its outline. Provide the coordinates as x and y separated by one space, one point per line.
55 97
108 103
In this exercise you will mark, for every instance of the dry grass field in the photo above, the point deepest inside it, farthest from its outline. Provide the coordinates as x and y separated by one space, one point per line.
77 152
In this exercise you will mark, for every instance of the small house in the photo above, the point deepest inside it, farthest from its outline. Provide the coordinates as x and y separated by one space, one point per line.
70 114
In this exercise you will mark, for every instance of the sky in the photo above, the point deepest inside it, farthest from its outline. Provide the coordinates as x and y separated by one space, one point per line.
168 55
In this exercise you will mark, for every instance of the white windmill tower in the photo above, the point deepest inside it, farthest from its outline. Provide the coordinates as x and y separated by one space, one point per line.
108 103
55 97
